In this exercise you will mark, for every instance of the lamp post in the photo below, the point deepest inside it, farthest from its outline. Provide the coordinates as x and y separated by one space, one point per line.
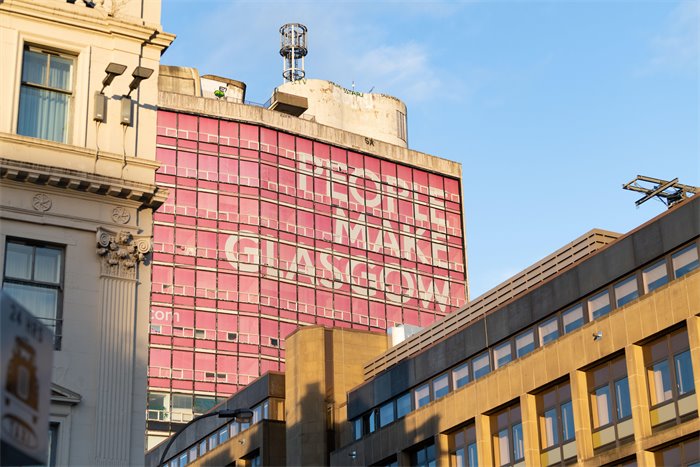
240 415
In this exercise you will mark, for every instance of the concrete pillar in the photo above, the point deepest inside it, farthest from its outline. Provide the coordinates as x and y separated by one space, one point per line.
528 411
636 375
693 324
322 365
120 254
442 449
484 439
582 415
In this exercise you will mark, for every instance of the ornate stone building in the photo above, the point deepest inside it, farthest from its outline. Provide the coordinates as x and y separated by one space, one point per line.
77 166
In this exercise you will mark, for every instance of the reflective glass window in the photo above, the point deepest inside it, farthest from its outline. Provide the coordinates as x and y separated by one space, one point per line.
481 365
599 305
441 386
655 276
549 330
403 405
460 375
502 354
626 291
422 395
572 318
45 95
685 261
525 343
34 278
386 414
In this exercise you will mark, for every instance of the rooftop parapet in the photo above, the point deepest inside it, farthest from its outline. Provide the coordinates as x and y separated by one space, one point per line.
532 276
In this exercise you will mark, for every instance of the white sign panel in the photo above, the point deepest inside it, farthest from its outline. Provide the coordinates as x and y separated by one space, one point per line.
27 356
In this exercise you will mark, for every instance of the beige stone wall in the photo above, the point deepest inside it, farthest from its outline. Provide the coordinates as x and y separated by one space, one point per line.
94 39
100 182
623 331
371 115
322 365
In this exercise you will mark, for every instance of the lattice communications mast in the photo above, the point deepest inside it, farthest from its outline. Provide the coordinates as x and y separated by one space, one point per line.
293 50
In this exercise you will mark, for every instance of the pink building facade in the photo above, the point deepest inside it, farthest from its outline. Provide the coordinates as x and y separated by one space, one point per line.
265 231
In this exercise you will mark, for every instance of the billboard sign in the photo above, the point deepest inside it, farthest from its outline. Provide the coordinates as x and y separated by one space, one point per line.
25 384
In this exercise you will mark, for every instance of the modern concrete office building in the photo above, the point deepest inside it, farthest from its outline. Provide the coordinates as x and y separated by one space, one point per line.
77 175
310 210
589 357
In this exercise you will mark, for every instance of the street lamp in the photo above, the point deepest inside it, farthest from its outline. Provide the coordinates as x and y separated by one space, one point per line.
240 415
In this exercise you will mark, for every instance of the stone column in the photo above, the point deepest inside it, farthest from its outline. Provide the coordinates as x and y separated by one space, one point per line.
639 400
528 414
120 253
484 439
582 415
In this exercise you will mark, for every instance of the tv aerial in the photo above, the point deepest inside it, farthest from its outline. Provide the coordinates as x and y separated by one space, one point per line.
669 192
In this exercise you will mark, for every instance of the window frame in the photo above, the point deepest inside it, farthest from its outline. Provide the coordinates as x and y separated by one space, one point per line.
678 251
509 343
682 446
614 299
670 359
535 339
611 384
424 447
652 265
511 423
558 404
391 404
454 379
605 291
59 287
556 318
71 93
439 378
468 432
481 355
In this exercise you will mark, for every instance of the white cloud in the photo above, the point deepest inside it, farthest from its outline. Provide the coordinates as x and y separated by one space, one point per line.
350 41
404 69
676 48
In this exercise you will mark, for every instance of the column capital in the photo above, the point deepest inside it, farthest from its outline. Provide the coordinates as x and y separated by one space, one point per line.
121 252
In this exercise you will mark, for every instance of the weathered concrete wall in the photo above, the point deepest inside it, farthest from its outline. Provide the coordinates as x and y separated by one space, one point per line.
376 116
322 365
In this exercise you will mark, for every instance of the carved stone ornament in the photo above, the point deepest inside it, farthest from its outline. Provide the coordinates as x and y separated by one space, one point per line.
120 215
41 202
121 252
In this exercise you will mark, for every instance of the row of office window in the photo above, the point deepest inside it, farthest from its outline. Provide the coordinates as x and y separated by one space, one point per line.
222 137
598 304
610 411
508 443
178 407
671 401
224 433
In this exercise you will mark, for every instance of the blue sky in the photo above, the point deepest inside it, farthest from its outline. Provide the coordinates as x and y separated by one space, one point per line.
549 106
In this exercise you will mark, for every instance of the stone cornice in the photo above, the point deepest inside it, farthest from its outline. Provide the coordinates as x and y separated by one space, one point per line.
61 149
150 196
92 19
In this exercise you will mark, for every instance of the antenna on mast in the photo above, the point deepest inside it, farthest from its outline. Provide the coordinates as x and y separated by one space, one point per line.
293 50
670 192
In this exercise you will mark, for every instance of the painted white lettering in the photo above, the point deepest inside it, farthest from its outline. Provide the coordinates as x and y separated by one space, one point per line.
242 253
